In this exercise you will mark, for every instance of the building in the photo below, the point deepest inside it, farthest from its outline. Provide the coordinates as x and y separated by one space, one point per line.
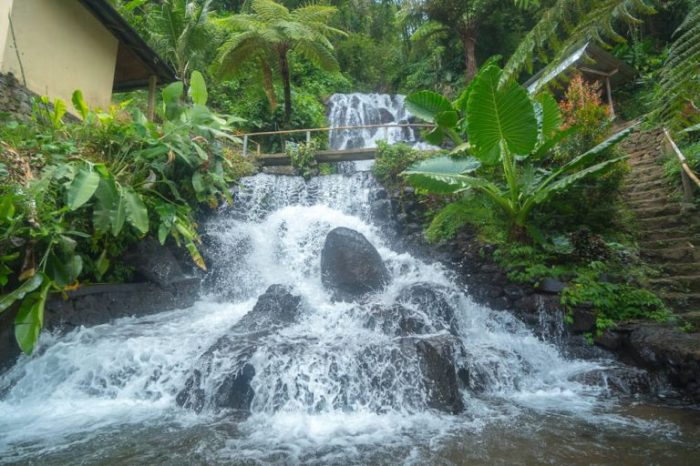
54 47
594 63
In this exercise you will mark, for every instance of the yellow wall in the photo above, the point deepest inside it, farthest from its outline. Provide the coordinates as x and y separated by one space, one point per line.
5 8
62 48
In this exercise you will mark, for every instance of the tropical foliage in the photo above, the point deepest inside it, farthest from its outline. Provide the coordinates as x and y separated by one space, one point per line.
73 197
268 33
510 135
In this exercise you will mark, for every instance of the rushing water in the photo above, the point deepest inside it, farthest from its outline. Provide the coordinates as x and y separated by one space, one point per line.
106 394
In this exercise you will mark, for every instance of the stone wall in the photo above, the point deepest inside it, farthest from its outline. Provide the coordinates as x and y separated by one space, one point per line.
14 98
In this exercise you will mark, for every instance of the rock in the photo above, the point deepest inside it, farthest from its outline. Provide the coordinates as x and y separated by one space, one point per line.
430 299
621 380
666 350
224 368
155 263
584 320
350 266
397 320
436 357
381 210
513 292
551 285
282 170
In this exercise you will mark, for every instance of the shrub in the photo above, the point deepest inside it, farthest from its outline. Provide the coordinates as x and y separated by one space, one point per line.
393 159
75 196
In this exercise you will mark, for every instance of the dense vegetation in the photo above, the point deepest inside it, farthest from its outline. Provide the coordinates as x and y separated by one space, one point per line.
536 177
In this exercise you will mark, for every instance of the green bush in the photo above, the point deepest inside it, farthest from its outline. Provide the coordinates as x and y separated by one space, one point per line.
613 302
75 196
393 159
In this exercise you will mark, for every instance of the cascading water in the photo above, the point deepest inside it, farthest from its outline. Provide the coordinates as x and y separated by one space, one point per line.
330 387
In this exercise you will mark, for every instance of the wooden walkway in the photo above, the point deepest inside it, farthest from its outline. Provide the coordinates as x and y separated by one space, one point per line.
345 155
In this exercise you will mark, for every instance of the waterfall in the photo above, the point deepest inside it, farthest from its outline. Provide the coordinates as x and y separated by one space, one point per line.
367 110
329 388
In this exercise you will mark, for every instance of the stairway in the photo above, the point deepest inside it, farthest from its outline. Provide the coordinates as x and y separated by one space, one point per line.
669 237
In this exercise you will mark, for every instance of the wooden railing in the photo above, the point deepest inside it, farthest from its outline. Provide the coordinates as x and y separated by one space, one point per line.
308 131
687 174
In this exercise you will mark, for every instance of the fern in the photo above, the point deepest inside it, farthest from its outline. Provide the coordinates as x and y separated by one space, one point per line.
678 94
569 23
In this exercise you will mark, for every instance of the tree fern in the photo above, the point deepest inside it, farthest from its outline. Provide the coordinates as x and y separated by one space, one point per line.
678 95
267 32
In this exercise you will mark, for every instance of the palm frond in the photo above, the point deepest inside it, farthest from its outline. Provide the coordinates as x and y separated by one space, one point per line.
568 23
678 95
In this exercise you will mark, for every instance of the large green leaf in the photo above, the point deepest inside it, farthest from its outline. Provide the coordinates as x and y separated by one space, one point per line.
82 188
549 115
109 213
136 211
173 93
497 115
30 319
20 292
565 182
198 89
442 175
427 104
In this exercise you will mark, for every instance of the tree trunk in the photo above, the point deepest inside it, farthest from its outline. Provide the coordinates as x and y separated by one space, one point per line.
284 69
469 42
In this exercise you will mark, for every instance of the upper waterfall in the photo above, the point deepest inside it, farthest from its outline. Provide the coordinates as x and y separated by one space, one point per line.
368 110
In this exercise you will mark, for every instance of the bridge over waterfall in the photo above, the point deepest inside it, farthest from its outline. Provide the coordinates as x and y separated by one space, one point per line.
345 153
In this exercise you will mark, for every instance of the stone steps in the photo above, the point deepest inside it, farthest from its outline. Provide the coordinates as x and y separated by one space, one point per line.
674 268
680 283
662 222
682 241
666 237
677 254
682 302
663 210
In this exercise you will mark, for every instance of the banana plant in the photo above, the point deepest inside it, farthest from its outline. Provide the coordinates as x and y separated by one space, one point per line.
508 133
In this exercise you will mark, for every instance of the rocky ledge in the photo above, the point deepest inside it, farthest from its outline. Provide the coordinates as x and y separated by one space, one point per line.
664 350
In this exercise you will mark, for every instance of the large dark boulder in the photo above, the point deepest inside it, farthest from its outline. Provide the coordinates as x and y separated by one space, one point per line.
350 266
222 376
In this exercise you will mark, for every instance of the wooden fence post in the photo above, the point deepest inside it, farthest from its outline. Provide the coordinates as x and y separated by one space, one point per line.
152 82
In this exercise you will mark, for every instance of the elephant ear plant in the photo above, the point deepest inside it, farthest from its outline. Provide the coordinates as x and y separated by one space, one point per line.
508 135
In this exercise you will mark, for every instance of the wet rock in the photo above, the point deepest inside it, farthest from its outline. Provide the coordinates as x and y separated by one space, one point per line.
381 210
513 292
350 266
155 263
431 299
222 376
666 350
584 320
551 285
397 320
436 358
621 380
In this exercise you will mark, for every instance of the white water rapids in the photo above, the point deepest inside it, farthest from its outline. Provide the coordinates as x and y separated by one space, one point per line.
106 394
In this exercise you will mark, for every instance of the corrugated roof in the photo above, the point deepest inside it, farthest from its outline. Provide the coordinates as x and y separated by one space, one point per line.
136 61
588 56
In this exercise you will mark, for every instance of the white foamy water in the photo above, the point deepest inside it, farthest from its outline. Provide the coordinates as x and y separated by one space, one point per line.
329 389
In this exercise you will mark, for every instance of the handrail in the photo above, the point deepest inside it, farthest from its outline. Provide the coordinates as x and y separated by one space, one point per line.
308 131
316 130
687 174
